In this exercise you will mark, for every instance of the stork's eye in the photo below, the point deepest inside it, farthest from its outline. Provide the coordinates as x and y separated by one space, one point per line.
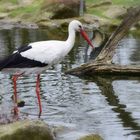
80 26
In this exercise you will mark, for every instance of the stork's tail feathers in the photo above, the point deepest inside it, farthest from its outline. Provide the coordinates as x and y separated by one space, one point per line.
3 63
16 60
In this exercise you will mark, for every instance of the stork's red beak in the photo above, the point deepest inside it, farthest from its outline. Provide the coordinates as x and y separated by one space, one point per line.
85 36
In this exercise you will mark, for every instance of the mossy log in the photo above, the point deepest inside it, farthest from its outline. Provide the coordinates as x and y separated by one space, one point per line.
103 62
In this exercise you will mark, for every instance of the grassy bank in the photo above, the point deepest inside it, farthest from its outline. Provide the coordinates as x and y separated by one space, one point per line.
15 8
117 2
34 10
103 6
24 11
110 10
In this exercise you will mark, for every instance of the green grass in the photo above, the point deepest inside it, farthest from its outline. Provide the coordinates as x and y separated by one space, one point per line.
14 1
117 2
21 11
99 11
126 2
30 10
3 4
34 9
92 1
9 1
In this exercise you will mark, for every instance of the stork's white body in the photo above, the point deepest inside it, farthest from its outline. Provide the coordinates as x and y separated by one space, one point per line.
49 52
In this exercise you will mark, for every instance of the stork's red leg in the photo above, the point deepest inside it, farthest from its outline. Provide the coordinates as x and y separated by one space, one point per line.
38 93
14 78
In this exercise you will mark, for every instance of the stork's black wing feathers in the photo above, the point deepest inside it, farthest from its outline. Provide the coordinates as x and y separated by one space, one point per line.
24 48
16 60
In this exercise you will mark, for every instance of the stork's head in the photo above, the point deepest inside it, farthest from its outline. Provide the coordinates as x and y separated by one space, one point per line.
77 26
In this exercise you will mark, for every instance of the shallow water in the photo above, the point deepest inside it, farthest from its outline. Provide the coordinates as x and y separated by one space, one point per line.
108 106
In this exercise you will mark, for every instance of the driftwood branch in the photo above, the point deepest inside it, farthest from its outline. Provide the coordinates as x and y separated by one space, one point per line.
105 69
103 62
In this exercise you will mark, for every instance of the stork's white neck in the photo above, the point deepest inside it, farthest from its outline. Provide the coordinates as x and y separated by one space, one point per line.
71 37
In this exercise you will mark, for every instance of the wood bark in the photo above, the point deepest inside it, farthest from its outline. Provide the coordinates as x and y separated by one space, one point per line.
103 62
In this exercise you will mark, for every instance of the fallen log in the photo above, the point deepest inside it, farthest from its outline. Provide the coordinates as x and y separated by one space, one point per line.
105 69
103 62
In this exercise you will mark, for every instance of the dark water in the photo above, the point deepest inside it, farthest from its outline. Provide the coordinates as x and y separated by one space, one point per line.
107 106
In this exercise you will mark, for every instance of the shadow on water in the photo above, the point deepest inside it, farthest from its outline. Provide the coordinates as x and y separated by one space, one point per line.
106 105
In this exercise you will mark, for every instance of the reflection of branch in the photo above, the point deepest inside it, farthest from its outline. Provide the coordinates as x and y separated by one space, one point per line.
106 88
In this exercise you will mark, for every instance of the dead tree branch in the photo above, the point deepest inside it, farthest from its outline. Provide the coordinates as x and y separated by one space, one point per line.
102 64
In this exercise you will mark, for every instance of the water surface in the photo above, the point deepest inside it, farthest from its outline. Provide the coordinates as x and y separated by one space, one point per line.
108 106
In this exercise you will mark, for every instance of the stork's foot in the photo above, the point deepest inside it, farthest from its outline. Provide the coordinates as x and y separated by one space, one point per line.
15 111
39 115
21 104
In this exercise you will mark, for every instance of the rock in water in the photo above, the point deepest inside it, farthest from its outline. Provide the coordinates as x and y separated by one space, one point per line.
26 130
91 137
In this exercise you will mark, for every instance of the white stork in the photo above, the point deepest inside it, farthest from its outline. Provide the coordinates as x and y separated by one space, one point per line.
38 56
